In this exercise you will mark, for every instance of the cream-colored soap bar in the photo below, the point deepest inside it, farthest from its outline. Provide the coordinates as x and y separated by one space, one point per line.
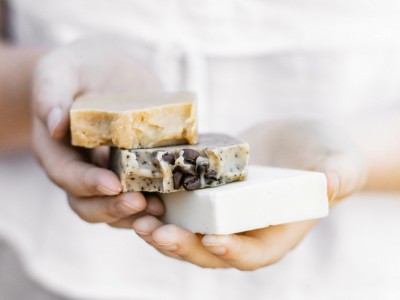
134 121
217 159
269 196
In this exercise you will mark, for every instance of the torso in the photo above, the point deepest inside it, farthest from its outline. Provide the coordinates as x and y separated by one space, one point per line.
249 61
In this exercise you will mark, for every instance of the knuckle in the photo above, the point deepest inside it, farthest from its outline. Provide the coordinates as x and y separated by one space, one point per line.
111 209
115 207
113 212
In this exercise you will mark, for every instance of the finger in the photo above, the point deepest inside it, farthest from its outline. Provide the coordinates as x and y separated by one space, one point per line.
257 248
100 156
65 167
127 221
107 209
154 205
186 245
144 228
56 83
345 173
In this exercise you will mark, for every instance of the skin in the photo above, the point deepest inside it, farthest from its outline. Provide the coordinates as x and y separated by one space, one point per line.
296 143
16 69
94 192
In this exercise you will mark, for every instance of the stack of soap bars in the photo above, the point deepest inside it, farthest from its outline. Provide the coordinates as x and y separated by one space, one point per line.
156 148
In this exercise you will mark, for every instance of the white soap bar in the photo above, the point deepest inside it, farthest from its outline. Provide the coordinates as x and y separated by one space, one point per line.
269 196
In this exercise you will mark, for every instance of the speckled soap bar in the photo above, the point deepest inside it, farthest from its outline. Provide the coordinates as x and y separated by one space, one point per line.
216 160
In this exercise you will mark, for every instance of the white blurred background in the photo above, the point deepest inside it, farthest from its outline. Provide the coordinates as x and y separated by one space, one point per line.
249 61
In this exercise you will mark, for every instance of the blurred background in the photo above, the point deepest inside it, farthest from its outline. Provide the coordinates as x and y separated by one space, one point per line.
249 62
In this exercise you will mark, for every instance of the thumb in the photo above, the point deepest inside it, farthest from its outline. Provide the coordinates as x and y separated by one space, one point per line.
345 173
56 83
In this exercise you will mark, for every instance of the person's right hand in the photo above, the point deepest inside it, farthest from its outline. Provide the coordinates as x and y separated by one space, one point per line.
94 192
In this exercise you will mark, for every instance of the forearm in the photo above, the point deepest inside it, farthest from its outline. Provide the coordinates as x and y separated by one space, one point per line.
16 69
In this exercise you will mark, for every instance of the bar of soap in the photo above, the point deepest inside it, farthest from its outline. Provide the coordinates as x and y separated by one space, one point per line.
134 121
217 159
269 196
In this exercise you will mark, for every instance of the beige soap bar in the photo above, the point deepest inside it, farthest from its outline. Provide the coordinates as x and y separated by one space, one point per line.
217 159
134 121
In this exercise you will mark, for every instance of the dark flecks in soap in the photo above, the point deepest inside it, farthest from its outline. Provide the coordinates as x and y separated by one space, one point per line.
191 182
177 179
209 181
188 169
153 159
190 155
210 174
191 170
203 166
169 157
189 162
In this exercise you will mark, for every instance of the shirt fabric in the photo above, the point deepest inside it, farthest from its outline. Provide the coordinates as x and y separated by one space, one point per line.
249 61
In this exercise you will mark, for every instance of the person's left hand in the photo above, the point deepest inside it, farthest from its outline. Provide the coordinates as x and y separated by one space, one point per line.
299 144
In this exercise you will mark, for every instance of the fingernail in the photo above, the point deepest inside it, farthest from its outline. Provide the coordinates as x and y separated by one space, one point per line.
213 244
169 247
107 191
218 250
141 232
126 208
53 119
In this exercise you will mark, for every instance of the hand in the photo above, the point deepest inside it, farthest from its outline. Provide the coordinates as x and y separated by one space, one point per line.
298 144
87 66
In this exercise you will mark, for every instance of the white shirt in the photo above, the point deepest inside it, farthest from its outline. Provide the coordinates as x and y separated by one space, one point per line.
317 58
